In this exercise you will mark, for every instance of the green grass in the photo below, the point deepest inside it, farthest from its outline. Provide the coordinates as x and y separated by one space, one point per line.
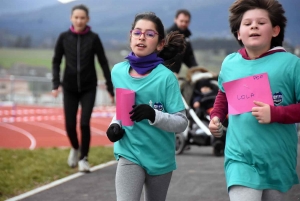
23 170
31 57
43 58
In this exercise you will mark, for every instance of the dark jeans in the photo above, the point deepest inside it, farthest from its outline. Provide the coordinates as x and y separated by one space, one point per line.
71 104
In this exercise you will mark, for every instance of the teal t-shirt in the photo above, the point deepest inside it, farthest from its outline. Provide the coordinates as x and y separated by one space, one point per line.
263 156
144 144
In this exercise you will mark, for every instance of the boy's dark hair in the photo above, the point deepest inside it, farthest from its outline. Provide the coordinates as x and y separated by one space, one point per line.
174 42
274 9
81 7
183 11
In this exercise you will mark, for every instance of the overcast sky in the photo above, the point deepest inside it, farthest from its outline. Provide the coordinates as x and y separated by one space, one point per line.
15 6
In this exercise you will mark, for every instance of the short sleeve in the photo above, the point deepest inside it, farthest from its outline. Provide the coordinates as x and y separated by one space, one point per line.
297 80
174 102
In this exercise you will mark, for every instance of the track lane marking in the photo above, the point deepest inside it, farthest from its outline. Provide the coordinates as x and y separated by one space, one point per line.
47 126
24 132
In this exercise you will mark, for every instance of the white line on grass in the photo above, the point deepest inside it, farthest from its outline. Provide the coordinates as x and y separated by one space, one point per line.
60 181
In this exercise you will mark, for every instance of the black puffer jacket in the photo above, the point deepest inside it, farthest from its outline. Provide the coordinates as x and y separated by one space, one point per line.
188 57
79 51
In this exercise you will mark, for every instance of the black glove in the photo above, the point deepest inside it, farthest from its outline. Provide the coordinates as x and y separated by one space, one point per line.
115 132
142 111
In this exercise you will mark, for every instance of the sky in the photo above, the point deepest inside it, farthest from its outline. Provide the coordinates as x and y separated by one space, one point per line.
15 6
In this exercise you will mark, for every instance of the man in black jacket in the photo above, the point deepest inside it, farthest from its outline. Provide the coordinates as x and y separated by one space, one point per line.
181 24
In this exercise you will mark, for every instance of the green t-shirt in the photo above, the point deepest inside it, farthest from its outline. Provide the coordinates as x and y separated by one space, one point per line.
144 144
263 156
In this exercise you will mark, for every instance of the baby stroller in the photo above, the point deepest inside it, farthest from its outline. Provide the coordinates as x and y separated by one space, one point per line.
197 133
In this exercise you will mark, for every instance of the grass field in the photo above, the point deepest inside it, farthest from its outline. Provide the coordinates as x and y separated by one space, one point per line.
23 170
43 58
31 57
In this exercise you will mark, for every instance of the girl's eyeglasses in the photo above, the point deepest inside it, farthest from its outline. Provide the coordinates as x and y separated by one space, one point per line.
148 34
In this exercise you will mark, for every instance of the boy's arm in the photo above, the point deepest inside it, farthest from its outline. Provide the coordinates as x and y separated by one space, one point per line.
285 114
220 108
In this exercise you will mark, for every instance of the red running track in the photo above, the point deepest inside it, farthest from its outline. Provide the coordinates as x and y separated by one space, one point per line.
34 127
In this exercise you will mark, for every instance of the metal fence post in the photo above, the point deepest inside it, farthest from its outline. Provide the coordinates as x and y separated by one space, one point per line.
12 86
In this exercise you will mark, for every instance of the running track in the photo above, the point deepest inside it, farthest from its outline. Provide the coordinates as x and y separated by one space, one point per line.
33 127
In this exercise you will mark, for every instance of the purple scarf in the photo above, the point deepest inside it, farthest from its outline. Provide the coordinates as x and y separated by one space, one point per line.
142 65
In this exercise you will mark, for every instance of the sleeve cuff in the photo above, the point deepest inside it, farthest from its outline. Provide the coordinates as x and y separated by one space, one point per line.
157 114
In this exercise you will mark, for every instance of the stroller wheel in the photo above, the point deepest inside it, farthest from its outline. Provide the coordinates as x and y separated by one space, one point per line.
180 143
218 148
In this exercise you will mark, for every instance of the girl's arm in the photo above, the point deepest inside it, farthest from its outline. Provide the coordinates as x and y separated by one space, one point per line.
58 54
115 121
220 108
176 122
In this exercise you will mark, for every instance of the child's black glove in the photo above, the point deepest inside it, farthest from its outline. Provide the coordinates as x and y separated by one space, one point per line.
115 132
142 111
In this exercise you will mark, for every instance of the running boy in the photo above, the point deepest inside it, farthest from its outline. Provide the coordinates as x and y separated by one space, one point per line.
261 145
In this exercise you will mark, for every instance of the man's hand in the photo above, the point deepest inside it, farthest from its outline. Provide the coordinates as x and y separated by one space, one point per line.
262 112
215 127
142 111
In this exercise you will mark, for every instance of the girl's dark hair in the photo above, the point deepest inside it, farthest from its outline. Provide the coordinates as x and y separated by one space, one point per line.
174 42
274 9
81 7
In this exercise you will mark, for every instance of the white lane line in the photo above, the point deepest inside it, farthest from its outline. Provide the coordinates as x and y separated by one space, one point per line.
60 181
97 131
99 121
22 131
102 114
47 126
42 111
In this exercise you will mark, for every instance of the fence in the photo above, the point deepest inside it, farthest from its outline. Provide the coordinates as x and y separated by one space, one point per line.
27 90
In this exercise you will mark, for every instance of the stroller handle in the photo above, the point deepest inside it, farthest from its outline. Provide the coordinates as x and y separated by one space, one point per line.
195 117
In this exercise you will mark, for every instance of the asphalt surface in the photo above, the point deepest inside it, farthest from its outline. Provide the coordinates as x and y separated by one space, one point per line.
199 176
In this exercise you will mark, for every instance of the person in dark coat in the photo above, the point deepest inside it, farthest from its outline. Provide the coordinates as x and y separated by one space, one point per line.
181 24
79 45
